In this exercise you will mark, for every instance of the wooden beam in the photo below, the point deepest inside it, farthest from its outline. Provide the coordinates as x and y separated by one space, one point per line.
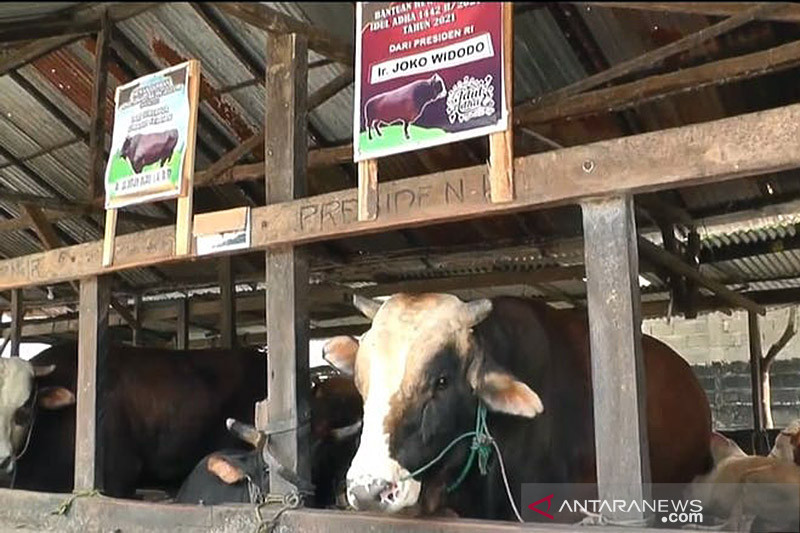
674 264
182 325
656 56
44 229
754 337
17 318
287 312
209 176
746 145
788 13
124 313
330 89
618 379
273 21
97 129
635 93
93 342
75 26
32 51
227 296
136 329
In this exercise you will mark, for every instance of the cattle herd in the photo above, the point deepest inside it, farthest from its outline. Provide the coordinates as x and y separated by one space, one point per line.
390 426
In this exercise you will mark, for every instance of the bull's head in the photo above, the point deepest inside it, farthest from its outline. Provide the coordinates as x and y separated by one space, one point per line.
19 398
420 370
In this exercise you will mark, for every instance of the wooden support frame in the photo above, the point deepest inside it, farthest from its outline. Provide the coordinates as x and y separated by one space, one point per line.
93 341
287 408
17 317
227 296
760 442
501 144
745 145
182 325
620 410
97 127
368 189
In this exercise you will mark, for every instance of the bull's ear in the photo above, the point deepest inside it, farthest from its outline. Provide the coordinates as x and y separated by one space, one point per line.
503 393
475 312
53 398
225 471
340 352
40 371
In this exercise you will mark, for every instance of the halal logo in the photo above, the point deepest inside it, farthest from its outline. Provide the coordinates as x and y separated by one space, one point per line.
470 98
549 500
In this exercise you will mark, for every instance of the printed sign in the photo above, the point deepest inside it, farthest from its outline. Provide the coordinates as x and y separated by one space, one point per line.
222 231
429 73
148 148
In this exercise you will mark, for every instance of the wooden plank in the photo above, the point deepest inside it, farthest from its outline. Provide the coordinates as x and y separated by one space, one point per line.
788 13
368 189
97 125
651 88
227 296
182 325
93 340
760 443
659 54
230 158
501 144
674 264
136 330
110 237
183 227
273 21
17 318
32 511
746 145
124 313
287 310
620 411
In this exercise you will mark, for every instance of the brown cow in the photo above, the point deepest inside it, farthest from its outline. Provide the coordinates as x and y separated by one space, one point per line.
404 104
428 360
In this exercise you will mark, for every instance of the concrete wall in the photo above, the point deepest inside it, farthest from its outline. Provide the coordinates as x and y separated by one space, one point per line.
716 345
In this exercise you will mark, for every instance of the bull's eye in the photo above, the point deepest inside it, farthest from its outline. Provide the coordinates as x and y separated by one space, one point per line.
441 383
22 416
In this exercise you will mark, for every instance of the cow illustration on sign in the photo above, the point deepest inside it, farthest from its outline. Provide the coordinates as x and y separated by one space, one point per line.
147 148
403 105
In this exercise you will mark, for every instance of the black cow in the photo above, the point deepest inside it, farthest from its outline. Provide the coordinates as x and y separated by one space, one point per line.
144 149
430 364
231 476
160 410
404 104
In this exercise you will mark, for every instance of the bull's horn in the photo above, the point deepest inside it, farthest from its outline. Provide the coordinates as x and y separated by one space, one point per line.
475 312
367 306
246 432
347 432
41 371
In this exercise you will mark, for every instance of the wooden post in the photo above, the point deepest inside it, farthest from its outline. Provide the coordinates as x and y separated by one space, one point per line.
620 423
97 129
184 219
182 325
136 329
17 316
95 298
368 189
760 441
288 381
501 144
227 295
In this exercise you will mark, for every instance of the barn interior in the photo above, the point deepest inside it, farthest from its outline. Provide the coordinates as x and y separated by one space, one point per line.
727 247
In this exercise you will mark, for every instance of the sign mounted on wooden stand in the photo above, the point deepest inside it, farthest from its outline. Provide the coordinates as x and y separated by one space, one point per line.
153 148
432 73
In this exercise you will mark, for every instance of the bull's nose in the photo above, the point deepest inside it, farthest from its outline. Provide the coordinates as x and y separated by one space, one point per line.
369 494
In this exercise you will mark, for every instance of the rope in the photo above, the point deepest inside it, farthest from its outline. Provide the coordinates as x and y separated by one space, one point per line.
505 482
67 504
292 500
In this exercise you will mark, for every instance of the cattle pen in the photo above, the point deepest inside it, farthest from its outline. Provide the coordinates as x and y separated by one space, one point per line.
654 175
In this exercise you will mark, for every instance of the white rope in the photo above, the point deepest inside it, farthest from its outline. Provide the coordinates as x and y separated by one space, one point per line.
505 479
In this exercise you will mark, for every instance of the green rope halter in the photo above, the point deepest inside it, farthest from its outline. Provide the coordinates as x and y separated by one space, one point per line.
481 447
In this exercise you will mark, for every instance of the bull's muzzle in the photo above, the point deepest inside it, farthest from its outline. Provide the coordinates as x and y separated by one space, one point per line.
368 493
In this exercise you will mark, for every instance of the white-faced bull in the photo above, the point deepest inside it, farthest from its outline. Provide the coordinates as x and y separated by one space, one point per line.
430 362
20 397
